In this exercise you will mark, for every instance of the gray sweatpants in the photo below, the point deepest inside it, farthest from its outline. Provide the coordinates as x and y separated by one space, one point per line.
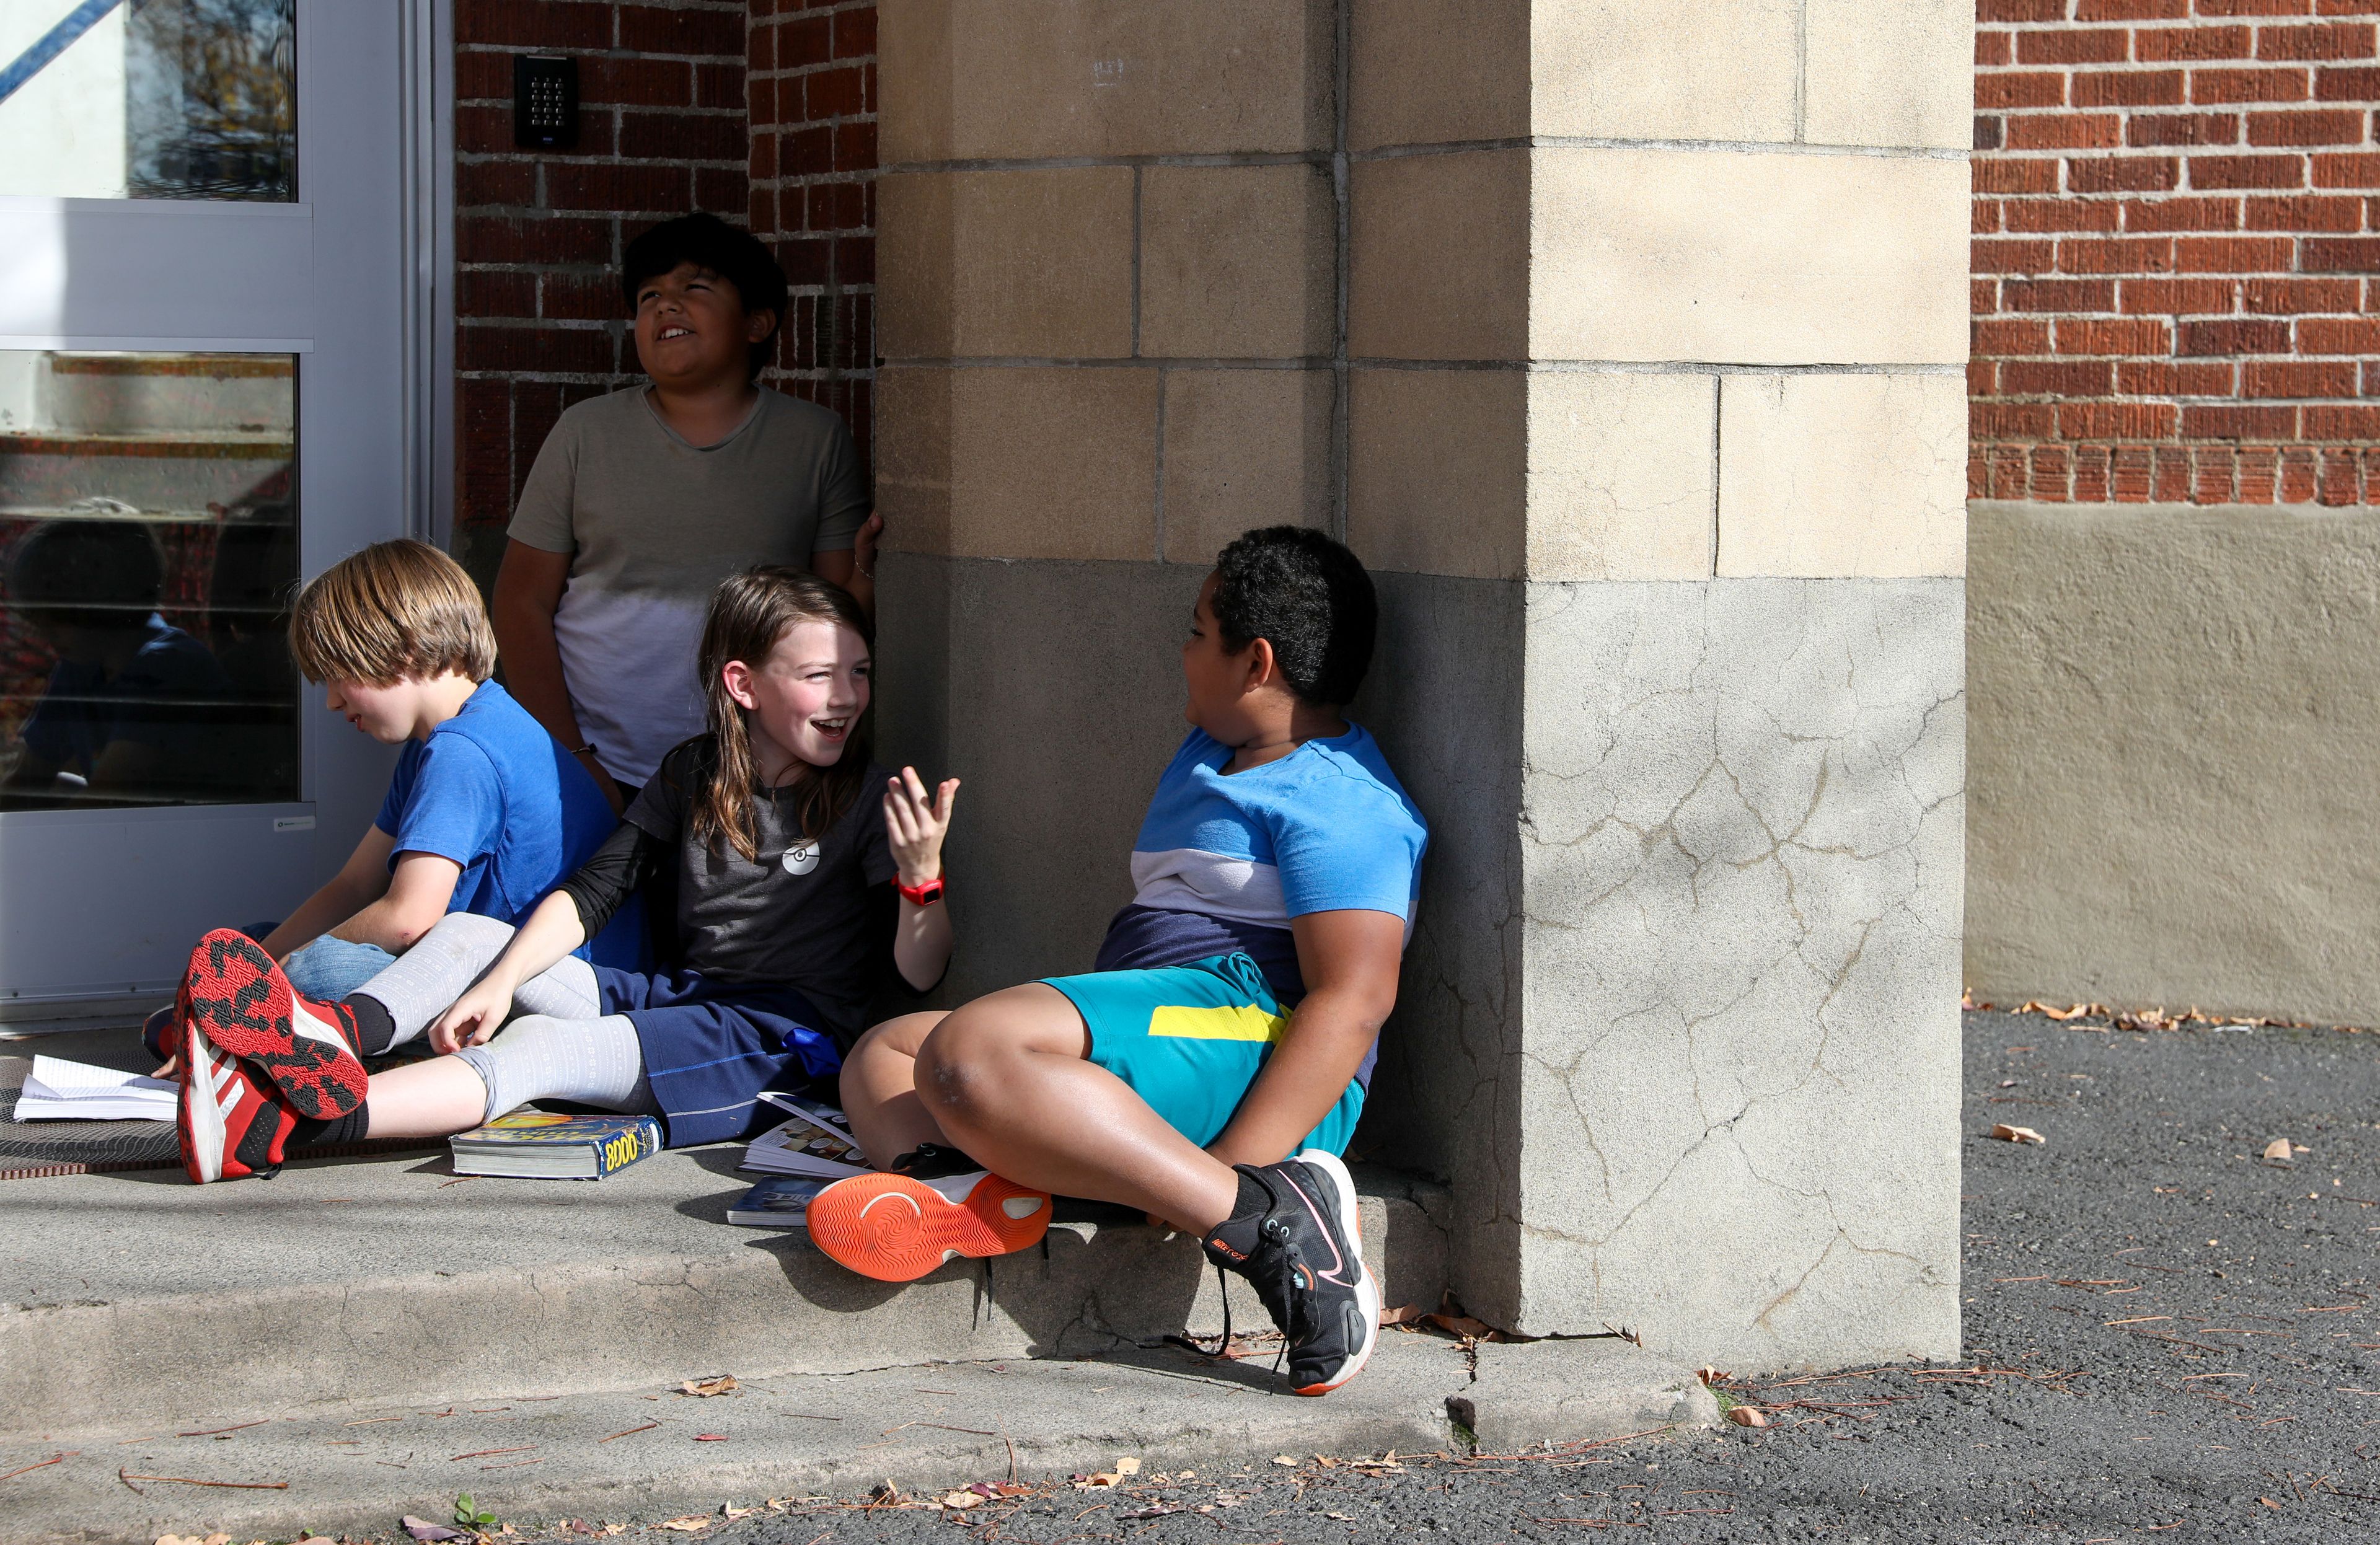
559 1044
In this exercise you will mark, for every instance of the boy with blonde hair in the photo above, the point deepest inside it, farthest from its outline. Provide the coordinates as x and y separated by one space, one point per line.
485 813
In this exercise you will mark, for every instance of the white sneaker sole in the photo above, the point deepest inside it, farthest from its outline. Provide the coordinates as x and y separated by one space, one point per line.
204 1117
1367 1288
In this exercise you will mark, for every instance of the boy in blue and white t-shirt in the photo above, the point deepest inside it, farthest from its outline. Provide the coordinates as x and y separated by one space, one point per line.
1212 1067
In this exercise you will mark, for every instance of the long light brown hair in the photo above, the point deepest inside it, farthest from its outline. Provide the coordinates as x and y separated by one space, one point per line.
749 613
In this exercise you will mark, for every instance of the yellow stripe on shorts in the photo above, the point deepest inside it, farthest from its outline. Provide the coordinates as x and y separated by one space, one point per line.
1234 1022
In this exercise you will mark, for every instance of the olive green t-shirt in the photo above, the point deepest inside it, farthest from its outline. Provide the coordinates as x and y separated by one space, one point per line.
653 525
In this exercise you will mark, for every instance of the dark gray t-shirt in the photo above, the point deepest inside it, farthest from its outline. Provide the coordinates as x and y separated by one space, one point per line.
801 915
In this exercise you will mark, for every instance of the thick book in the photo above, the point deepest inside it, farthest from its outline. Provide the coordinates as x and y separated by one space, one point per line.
780 1201
542 1146
813 1139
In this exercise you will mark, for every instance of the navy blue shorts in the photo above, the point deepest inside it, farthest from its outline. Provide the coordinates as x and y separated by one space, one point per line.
710 1048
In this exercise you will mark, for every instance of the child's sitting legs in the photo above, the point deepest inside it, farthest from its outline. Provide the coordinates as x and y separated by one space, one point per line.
1007 1080
402 1002
592 1061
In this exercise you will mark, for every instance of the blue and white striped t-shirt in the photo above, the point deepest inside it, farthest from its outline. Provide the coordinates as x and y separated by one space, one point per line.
1223 863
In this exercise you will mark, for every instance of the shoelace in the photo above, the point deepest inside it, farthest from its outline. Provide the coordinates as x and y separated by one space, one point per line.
1285 1255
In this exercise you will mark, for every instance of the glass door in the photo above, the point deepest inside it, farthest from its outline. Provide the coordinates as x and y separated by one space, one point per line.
208 347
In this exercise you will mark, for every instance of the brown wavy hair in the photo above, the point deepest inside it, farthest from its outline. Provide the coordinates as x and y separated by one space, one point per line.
749 613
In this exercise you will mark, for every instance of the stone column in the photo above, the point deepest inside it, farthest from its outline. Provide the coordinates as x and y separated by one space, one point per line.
1107 303
1624 343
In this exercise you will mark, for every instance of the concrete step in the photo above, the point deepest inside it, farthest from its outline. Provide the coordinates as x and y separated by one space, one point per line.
138 1297
655 1453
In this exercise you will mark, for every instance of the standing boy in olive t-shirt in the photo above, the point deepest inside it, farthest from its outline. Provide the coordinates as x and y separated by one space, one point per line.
642 500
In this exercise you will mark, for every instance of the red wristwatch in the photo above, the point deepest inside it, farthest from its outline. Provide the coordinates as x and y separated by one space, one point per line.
922 896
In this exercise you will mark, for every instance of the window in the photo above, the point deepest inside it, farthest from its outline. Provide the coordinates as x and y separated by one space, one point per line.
147 553
149 99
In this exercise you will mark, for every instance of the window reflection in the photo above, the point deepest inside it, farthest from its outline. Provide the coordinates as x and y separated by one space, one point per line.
148 551
150 99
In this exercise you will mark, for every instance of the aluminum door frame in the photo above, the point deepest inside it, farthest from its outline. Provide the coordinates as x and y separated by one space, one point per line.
97 907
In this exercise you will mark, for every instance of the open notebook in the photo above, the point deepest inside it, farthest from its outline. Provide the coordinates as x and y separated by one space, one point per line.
57 1089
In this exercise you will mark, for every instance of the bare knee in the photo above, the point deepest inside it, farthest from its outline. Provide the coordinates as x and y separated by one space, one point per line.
957 1073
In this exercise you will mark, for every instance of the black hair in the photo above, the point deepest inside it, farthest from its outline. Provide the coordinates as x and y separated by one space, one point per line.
733 253
100 573
1307 597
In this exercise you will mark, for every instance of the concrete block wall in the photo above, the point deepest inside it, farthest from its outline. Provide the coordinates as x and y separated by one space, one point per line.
1626 347
1109 303
1656 408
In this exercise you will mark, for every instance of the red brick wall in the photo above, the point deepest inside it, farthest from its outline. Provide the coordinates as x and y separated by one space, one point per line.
538 236
2177 207
812 82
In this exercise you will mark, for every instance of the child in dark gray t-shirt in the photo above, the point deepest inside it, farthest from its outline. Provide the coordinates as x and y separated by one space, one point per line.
758 839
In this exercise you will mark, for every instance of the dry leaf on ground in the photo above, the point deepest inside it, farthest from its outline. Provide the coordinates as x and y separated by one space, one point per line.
1460 1324
723 1384
219 1538
420 1528
1403 1314
1285 1459
1745 1415
958 1501
2008 1134
1712 1375
686 1524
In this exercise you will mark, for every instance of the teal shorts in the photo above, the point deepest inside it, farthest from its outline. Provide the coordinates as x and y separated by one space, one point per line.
1190 1039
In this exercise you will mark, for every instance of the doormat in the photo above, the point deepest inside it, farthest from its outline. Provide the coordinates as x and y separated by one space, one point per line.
30 1151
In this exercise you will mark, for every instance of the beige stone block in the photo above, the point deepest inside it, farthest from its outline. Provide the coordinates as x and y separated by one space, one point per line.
1429 72
975 264
913 457
1619 475
1687 70
1018 462
1747 258
1242 449
1439 259
1842 476
1899 74
1437 470
1237 263
990 80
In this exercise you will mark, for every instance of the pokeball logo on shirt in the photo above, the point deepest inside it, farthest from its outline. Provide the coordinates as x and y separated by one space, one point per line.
801 858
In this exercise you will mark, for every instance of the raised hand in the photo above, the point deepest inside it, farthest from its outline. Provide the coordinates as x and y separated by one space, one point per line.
915 825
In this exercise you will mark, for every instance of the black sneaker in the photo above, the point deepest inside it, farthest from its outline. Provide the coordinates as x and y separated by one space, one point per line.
1295 1238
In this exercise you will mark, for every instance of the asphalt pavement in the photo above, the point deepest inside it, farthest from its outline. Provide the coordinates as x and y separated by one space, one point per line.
2168 1335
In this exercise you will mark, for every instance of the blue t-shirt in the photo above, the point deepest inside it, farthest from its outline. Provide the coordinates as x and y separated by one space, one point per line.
1223 863
491 790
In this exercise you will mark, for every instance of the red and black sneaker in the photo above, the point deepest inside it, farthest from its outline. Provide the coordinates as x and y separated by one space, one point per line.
236 996
232 1123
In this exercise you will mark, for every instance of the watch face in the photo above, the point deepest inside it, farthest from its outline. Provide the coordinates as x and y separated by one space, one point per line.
801 858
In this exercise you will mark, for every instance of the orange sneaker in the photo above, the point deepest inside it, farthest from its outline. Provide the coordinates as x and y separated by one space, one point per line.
896 1228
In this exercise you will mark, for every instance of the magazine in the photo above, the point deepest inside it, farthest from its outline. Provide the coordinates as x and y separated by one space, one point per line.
780 1201
540 1145
57 1089
814 1139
